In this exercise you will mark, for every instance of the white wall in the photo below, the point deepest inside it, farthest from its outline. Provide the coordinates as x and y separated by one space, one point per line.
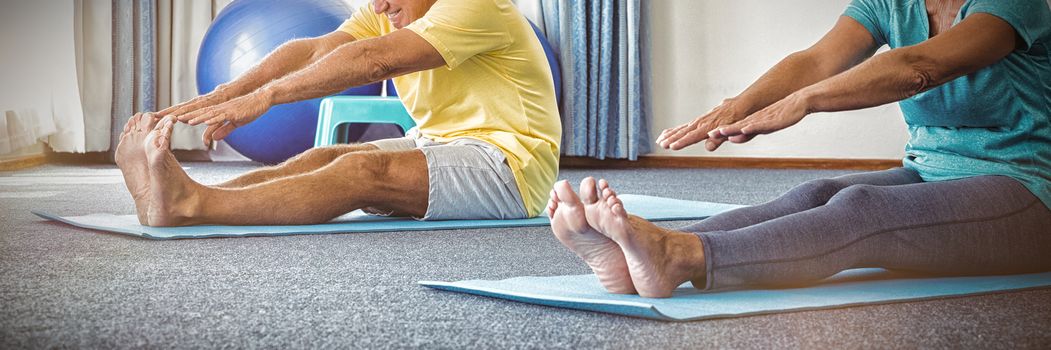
702 51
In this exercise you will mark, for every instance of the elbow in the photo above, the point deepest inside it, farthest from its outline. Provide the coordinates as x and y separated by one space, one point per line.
377 66
918 80
921 72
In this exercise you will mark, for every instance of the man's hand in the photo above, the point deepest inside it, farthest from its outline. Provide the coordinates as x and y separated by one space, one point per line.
780 115
222 93
223 118
698 130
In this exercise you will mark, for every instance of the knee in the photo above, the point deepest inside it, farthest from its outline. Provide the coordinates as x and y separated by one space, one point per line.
365 166
857 196
316 156
815 192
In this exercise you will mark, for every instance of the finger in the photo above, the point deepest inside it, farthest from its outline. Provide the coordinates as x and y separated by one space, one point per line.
223 131
695 136
218 118
186 107
761 127
741 138
713 144
206 115
732 129
177 109
189 116
207 137
679 133
669 131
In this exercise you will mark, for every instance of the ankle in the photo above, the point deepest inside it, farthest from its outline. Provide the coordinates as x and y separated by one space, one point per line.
688 260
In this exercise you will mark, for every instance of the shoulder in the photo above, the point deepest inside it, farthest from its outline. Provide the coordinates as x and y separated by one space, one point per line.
1031 19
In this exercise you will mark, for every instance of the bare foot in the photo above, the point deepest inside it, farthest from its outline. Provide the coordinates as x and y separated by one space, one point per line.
172 194
598 251
659 260
131 159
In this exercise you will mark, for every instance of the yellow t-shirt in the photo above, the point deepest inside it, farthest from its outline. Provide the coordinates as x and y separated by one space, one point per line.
496 86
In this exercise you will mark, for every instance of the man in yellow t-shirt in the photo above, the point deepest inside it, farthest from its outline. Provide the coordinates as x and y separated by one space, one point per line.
471 73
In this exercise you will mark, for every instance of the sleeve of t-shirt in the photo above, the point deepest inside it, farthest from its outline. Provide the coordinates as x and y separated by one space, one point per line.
1030 18
461 29
365 23
868 13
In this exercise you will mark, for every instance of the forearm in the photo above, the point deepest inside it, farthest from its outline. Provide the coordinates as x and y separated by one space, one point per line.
793 73
889 77
287 58
355 64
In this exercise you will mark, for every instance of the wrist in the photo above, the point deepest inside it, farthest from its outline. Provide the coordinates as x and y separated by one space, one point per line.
807 98
737 105
265 95
227 91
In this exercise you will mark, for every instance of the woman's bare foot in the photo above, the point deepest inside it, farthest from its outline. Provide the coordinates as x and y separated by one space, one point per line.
131 159
173 196
598 251
659 260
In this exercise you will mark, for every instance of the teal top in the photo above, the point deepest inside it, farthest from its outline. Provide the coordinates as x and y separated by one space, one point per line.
995 121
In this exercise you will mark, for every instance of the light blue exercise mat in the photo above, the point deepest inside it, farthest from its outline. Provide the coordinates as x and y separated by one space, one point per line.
849 288
651 208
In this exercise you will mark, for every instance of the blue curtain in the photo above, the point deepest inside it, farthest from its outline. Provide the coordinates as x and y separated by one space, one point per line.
599 48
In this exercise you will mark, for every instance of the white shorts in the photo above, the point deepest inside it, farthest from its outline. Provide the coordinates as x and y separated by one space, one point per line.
468 178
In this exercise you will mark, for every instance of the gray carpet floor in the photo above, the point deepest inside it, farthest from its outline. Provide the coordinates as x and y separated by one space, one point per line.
71 288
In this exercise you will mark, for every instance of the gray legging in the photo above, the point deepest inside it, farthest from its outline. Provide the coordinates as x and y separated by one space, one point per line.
889 219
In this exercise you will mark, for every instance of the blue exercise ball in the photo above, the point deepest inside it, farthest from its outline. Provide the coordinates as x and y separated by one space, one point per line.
243 33
556 73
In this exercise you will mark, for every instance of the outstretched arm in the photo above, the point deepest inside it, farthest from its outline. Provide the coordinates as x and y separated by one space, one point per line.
287 58
353 64
847 44
976 42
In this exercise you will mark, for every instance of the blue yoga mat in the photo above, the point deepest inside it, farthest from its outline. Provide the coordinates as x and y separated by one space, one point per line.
849 288
651 208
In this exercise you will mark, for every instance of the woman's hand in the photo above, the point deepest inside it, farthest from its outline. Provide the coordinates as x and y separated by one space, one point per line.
223 118
222 93
698 130
782 114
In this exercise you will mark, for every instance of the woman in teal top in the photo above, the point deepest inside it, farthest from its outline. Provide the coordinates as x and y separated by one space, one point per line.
973 78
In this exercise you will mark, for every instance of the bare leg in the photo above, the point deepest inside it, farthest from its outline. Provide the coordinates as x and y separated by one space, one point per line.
571 228
659 260
305 162
395 180
131 159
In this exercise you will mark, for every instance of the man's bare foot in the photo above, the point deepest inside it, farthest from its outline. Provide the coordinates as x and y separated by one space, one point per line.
131 159
659 260
173 195
598 251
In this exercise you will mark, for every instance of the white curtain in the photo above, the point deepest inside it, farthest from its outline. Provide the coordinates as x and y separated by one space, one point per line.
89 64
39 97
181 26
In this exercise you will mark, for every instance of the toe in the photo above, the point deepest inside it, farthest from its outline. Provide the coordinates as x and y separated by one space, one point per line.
552 204
149 120
130 124
587 190
564 193
166 132
602 184
133 122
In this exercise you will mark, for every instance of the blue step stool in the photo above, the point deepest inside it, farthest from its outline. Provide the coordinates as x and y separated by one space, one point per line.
337 110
